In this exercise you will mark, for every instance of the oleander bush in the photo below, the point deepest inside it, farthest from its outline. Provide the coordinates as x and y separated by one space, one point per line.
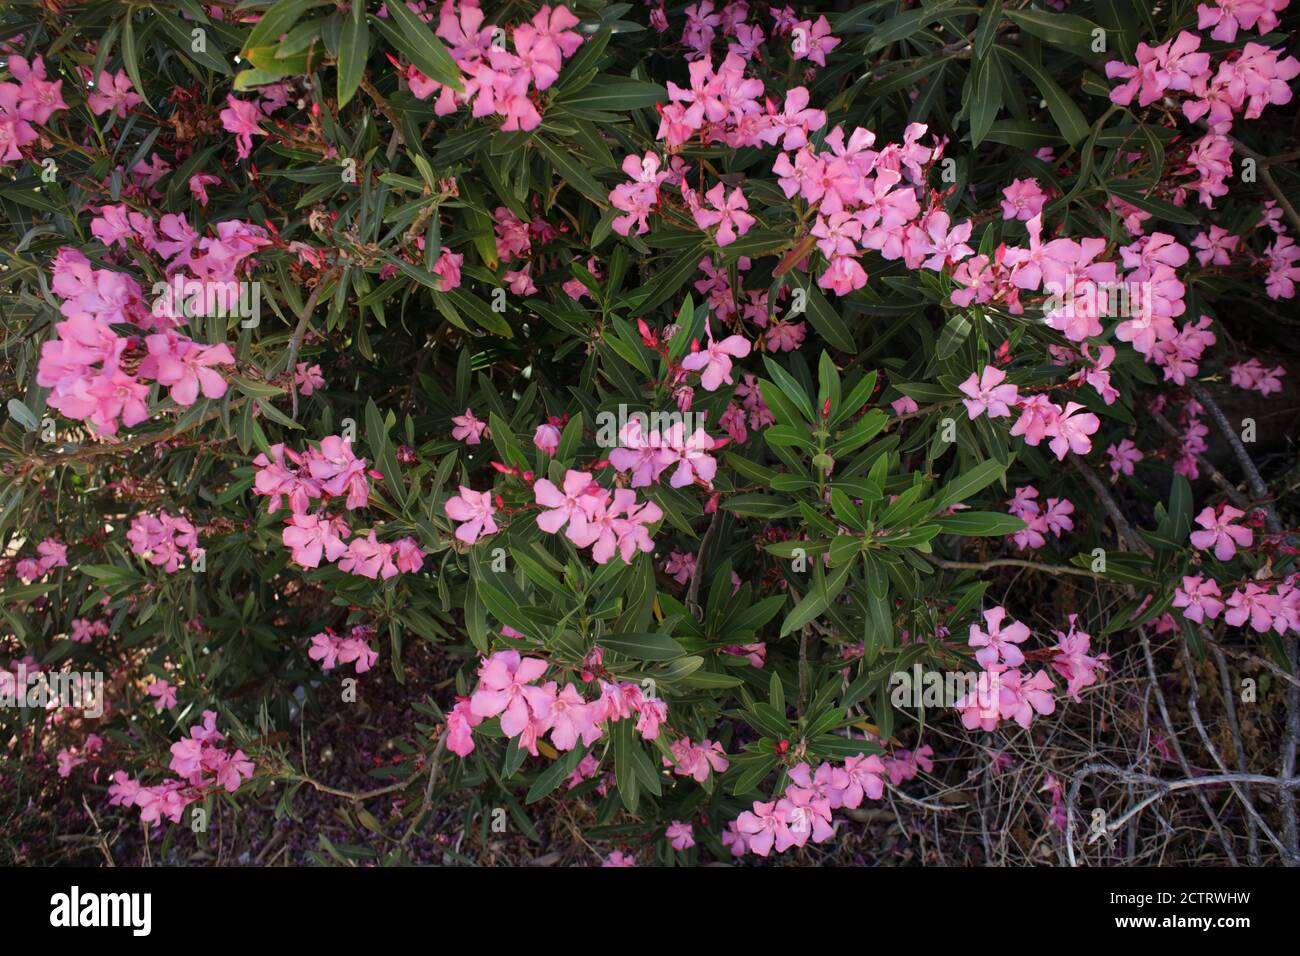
647 434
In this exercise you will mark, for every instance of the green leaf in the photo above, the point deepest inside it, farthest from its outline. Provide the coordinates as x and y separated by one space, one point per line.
972 524
409 34
354 48
1058 29
643 646
555 774
823 316
572 171
984 100
612 95
131 57
968 483
508 447
1068 117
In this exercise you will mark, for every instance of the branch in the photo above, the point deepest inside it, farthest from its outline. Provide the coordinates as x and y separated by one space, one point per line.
1057 569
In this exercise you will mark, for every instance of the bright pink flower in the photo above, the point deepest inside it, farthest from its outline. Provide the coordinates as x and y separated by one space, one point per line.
1021 698
727 213
680 835
1199 596
1023 200
998 643
506 688
987 394
574 505
1220 533
244 119
113 92
812 40
447 269
475 509
714 361
1072 431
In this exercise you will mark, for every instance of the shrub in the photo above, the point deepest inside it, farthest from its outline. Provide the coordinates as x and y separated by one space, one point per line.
679 403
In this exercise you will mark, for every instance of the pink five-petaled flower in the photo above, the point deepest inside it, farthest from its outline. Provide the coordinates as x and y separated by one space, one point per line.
572 719
311 537
468 428
1220 533
1021 697
1199 597
1123 457
186 367
987 393
728 214
1072 431
680 835
998 642
812 40
113 91
1023 200
474 508
576 504
715 361
506 688
761 826
165 693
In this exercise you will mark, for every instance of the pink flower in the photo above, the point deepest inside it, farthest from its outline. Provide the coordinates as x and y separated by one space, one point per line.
696 760
54 554
862 778
574 506
1255 604
447 269
186 367
368 557
474 508
547 438
505 688
460 722
728 214
199 184
813 40
243 118
679 566
1123 457
165 693
805 815
468 428
1199 596
987 394
760 827
572 719
1072 661
998 643
113 92
905 405
1021 698
680 835
1072 431
308 379
1220 533
1252 375
1023 200
715 361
